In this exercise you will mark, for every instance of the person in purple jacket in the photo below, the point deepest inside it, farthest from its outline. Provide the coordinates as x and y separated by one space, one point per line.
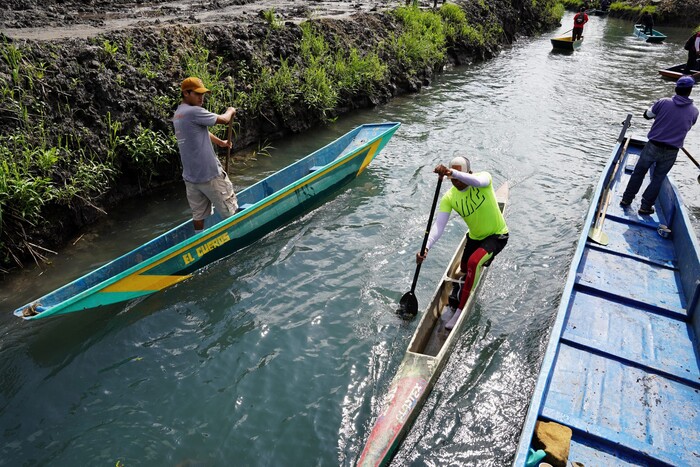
673 118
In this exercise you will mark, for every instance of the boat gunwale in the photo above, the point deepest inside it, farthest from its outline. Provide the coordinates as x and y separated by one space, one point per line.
212 231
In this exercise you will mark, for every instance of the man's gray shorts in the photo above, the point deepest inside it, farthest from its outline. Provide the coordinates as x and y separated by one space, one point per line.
218 191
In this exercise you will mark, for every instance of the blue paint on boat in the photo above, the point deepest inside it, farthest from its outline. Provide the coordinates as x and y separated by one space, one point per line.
655 36
173 256
621 367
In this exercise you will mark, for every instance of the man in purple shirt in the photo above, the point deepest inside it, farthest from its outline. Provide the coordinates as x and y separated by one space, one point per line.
673 118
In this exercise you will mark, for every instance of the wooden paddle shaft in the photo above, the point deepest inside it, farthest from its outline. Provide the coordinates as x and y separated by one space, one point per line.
605 198
230 134
620 138
427 231
691 158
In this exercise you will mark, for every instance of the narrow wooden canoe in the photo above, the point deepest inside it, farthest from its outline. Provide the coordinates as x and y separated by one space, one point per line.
565 43
621 369
264 206
655 37
676 71
597 12
423 362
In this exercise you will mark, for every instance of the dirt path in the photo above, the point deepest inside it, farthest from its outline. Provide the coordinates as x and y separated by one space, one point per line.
77 19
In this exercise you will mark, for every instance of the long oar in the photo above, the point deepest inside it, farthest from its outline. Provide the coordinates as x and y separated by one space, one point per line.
596 233
230 134
692 159
408 306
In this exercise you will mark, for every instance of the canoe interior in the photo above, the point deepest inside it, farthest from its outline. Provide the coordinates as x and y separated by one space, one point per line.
422 364
326 159
621 368
654 37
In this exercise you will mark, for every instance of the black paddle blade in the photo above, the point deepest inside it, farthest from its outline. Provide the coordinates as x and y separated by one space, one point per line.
408 306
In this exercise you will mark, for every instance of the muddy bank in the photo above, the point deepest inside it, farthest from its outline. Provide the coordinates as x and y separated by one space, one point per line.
85 120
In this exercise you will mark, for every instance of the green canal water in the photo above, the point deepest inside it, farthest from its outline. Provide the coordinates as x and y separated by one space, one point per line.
280 355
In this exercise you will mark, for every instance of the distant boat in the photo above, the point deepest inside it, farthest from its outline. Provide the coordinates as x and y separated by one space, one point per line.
566 43
264 206
427 354
596 12
677 71
654 37
621 369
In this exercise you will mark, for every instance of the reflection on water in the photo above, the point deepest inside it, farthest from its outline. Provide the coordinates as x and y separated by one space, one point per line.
281 354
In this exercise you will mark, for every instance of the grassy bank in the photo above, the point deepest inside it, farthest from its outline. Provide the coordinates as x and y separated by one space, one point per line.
85 123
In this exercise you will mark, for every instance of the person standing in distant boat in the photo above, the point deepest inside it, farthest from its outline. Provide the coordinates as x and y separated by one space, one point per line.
604 5
206 182
647 21
580 19
692 45
673 119
473 198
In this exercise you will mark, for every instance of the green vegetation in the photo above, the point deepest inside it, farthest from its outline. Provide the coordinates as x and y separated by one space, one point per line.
627 9
272 20
571 4
555 12
421 43
148 149
61 150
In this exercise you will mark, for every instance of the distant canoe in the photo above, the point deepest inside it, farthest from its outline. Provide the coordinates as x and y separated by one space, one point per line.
654 37
677 71
598 12
565 43
264 206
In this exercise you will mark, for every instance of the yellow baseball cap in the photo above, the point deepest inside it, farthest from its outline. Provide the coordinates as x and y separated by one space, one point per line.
193 84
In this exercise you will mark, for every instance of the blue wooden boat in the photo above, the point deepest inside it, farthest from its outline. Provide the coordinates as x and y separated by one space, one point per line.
175 255
427 354
621 367
655 37
566 43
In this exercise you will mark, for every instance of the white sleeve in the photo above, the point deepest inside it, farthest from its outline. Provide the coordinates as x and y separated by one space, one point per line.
649 113
697 43
480 180
437 229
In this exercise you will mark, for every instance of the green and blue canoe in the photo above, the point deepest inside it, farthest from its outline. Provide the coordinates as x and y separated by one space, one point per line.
655 37
264 206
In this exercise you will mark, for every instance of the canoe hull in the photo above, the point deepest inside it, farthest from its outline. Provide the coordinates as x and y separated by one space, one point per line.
175 255
655 38
422 364
565 43
621 367
676 71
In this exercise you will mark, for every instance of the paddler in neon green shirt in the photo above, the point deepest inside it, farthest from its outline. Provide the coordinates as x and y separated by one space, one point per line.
472 197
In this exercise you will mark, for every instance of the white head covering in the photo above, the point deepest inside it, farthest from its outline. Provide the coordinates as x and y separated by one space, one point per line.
462 162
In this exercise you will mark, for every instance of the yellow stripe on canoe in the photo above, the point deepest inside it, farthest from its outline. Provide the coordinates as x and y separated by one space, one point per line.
139 283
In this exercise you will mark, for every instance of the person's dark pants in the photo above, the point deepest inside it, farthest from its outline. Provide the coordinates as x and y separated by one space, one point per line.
692 62
477 254
648 30
663 159
576 34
